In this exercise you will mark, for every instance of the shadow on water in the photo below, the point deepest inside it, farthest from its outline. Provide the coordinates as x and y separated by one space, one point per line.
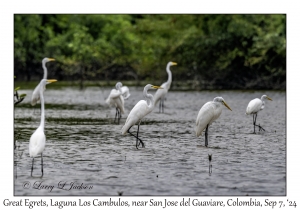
85 148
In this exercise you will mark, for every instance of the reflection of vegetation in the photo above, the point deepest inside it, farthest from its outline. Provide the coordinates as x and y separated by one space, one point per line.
18 98
218 51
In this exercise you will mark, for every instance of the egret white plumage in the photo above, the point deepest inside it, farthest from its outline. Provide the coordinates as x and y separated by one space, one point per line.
208 113
38 139
125 92
138 112
116 99
254 107
36 93
161 93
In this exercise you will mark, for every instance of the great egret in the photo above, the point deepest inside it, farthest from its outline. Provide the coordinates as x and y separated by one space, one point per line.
208 113
138 112
125 92
161 93
36 93
38 139
116 99
255 106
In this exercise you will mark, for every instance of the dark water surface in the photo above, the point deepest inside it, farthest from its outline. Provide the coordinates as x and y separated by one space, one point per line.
86 148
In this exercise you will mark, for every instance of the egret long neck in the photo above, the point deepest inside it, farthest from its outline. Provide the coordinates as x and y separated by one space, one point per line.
42 109
169 76
45 70
149 98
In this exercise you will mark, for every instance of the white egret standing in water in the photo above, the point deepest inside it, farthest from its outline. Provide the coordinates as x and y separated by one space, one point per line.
38 139
36 93
254 107
208 113
138 112
116 99
161 93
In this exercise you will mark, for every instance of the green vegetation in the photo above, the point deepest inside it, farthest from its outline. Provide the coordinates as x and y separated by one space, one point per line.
212 51
18 98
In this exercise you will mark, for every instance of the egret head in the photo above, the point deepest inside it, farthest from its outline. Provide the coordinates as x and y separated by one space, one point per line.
45 60
156 87
221 100
48 81
45 82
265 96
172 63
149 86
119 85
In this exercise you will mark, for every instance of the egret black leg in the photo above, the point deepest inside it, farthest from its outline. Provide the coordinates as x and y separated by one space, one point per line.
254 119
206 136
159 105
260 128
32 166
119 116
137 135
162 105
42 164
137 139
116 115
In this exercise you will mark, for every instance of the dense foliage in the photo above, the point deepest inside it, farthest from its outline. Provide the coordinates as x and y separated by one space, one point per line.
212 51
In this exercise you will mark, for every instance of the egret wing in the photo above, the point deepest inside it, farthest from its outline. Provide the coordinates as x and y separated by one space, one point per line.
37 143
160 93
139 111
205 117
119 102
254 106
114 93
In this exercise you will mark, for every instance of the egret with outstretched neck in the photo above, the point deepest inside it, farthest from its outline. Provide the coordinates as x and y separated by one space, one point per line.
208 113
38 139
254 107
138 112
161 93
35 98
